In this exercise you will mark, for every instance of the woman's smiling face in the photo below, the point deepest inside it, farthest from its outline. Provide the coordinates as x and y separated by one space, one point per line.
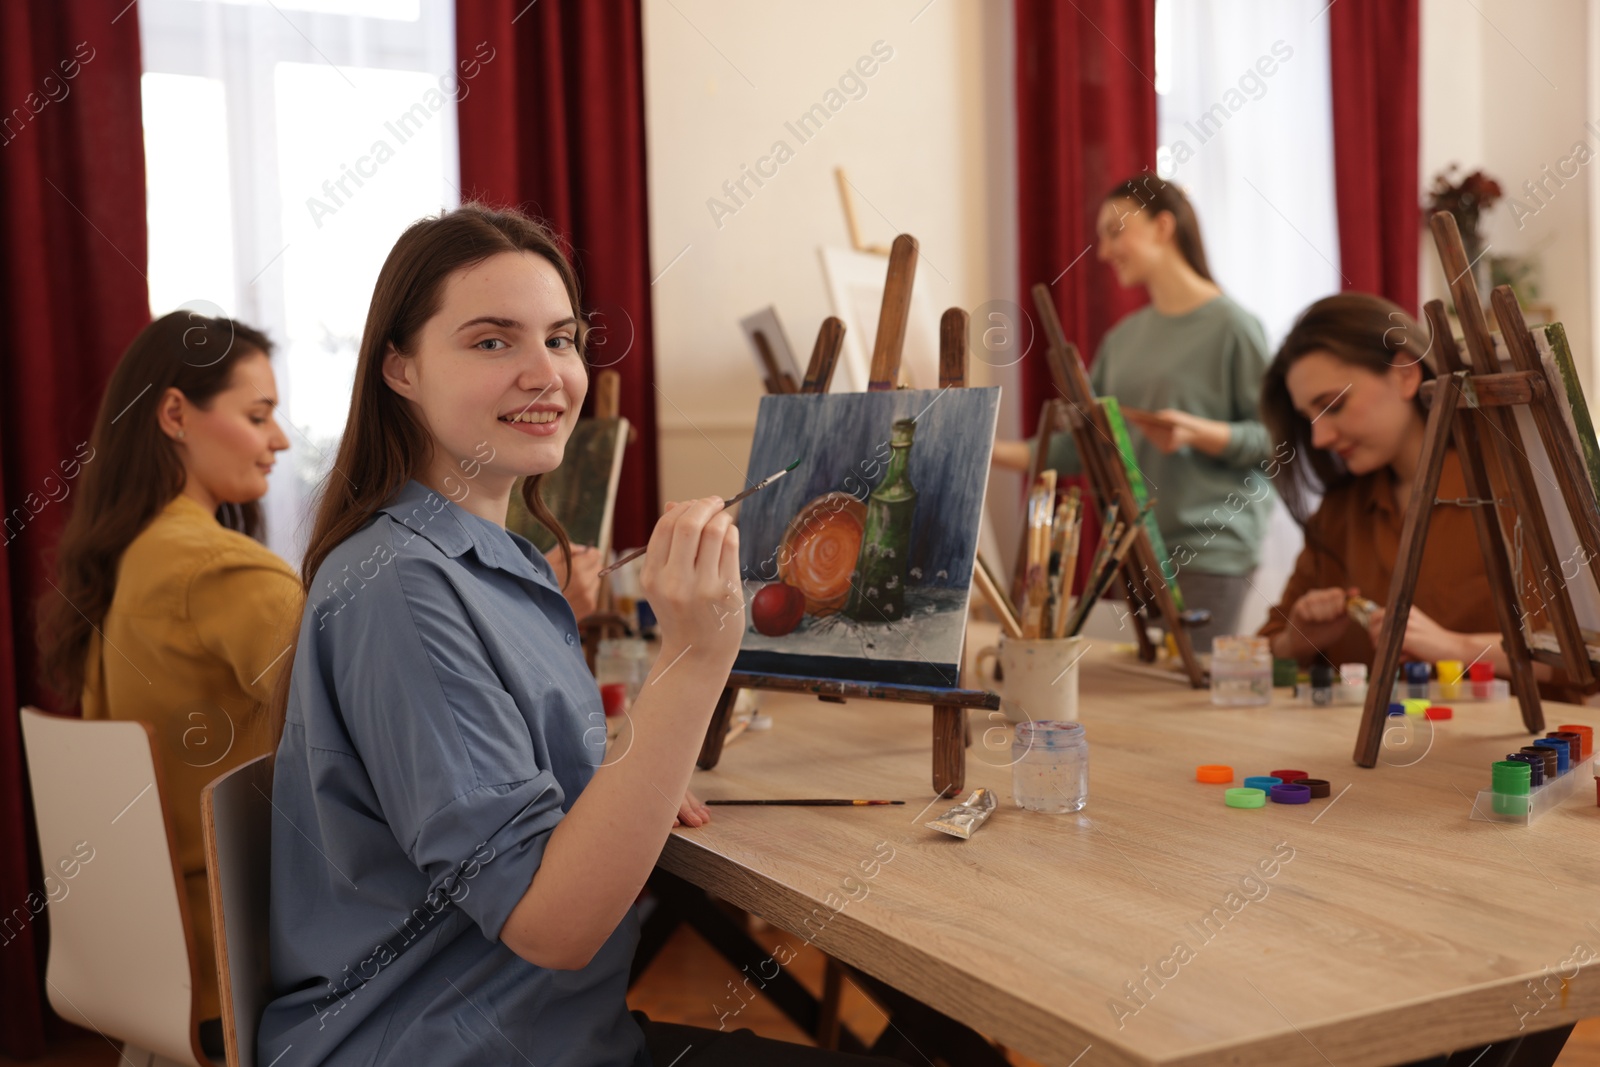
1361 416
1133 239
497 378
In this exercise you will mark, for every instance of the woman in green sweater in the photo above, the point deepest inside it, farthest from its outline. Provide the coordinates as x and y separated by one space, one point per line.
1187 370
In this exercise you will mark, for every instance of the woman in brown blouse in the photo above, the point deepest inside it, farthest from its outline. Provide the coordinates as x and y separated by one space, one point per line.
1342 392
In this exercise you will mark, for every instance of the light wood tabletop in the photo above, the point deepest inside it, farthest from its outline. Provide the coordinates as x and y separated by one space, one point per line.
1159 926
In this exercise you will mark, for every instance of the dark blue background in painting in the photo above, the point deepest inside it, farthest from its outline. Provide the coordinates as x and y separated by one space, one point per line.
843 434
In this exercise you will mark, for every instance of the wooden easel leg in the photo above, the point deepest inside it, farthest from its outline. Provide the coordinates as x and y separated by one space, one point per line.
1156 590
1141 635
827 1034
949 749
1413 536
1185 643
711 747
1491 541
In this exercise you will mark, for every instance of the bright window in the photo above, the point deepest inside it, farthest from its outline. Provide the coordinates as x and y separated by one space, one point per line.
1245 115
184 184
288 146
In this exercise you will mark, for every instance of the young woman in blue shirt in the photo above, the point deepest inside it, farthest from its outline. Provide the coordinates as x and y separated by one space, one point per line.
454 862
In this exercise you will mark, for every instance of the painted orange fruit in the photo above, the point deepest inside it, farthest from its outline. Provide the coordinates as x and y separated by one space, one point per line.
819 548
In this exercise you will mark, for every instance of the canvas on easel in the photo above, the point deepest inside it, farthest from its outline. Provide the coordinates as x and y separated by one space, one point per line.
1555 358
884 680
862 557
1467 408
856 289
582 492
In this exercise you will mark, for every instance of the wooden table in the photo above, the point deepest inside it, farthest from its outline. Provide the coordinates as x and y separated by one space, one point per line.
1391 927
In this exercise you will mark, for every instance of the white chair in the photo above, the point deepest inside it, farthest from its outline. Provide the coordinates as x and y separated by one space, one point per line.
121 955
236 813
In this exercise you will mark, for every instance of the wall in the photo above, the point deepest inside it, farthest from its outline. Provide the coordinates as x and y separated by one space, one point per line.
1506 87
927 145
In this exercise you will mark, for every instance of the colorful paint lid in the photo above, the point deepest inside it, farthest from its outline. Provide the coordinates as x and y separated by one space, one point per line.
1245 798
1291 793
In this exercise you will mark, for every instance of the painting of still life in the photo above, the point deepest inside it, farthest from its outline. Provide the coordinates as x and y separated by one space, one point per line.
858 564
582 492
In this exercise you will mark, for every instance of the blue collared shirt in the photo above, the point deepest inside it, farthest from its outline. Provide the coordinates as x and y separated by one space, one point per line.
441 721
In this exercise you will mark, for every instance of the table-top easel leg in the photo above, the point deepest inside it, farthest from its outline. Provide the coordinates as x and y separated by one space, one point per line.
949 749
1147 647
1408 561
717 730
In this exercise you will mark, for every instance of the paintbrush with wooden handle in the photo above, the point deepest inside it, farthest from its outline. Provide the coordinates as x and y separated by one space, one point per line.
1036 588
1068 564
1100 579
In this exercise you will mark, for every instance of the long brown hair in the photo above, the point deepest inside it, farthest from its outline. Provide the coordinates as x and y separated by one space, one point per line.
383 444
1360 329
1156 195
133 471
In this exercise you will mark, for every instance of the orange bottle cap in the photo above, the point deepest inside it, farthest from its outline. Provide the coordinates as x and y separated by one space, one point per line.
1213 772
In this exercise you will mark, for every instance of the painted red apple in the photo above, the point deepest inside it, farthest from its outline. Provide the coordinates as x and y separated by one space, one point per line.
777 609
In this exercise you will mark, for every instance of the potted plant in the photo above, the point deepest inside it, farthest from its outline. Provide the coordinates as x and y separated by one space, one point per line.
1467 199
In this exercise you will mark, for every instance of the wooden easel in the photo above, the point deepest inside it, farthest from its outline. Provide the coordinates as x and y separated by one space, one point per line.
949 704
1141 578
774 378
605 623
1470 406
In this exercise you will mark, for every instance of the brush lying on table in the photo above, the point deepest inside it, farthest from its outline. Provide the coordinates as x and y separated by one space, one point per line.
822 803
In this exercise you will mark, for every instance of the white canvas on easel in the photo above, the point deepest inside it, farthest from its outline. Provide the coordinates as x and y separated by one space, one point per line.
855 286
1580 586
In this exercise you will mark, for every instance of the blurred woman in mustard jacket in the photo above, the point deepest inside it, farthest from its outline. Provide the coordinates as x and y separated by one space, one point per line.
166 608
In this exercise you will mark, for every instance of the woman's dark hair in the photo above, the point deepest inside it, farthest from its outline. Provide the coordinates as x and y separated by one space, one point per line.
384 445
131 472
1360 329
1156 195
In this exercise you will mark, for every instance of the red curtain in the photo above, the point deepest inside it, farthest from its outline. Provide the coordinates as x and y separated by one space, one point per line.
1373 56
72 295
554 123
1086 119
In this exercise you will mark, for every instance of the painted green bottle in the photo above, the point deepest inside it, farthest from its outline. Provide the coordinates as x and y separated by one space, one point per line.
878 592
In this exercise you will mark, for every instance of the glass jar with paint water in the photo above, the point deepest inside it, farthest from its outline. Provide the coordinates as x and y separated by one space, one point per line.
1241 671
624 660
1049 766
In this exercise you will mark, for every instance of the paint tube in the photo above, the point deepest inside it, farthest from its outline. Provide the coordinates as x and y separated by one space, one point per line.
1360 609
965 818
